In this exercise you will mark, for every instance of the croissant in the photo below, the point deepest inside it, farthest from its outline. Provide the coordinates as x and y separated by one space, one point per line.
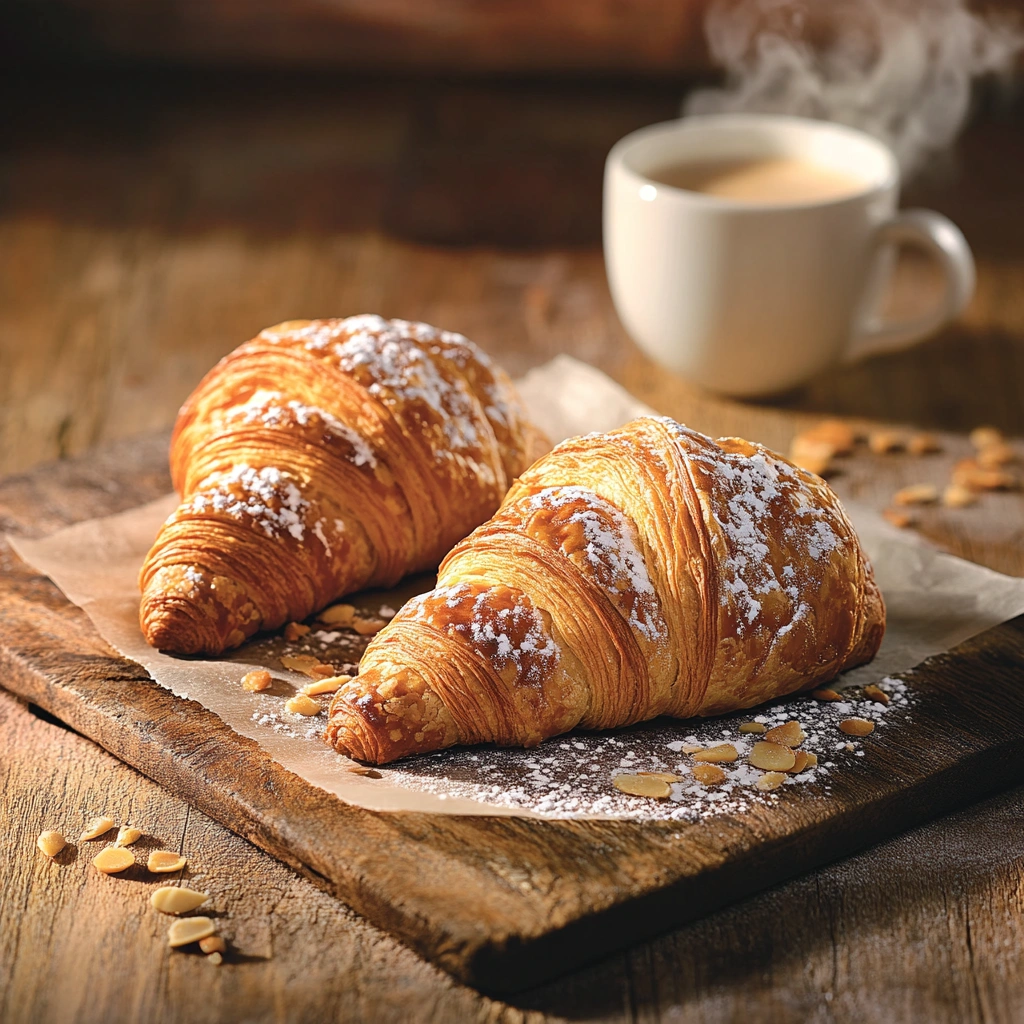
649 571
321 457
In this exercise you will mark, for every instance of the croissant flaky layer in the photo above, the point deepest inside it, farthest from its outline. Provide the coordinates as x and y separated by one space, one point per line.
649 571
321 457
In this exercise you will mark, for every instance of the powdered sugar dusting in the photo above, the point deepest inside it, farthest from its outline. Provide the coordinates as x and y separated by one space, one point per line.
268 497
613 553
501 624
571 776
271 409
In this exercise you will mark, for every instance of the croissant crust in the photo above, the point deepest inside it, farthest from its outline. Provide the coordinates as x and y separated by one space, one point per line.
649 571
321 457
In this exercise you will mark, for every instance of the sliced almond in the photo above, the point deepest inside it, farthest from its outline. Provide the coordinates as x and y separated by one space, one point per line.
322 671
126 835
803 760
770 780
642 785
256 680
967 473
162 862
752 727
294 631
958 496
811 454
364 769
923 444
113 859
96 828
882 442
664 776
300 704
916 494
873 692
299 662
691 748
995 455
789 734
213 944
723 752
837 433
215 958
708 774
367 627
172 899
984 437
771 757
328 685
337 615
900 519
188 930
825 694
51 843
857 727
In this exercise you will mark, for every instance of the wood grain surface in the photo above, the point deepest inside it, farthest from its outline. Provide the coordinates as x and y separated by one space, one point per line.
148 226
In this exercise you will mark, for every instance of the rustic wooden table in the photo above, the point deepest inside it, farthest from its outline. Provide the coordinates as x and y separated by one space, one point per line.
148 226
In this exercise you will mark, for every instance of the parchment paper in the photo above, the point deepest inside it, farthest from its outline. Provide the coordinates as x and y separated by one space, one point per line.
934 601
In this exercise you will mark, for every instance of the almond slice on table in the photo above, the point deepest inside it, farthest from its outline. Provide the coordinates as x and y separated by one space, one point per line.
126 835
664 776
811 454
771 757
51 843
995 455
113 860
770 780
96 828
857 727
300 704
923 444
723 752
213 944
876 693
882 442
300 662
172 899
214 958
958 496
642 785
328 685
337 615
984 437
189 930
752 727
916 494
825 694
899 518
163 862
256 680
708 774
789 734
369 626
295 630
803 760
322 671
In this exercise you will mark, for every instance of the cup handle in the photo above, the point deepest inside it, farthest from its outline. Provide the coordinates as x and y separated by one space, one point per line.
940 237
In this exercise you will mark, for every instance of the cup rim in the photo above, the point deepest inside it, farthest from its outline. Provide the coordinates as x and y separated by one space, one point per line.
618 158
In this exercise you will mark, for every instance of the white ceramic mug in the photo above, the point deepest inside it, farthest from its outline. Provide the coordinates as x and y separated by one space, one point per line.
750 298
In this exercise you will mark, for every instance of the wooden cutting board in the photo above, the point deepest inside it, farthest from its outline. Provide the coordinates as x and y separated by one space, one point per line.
502 903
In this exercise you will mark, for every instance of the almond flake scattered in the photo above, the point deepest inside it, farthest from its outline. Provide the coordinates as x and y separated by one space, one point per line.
164 861
916 494
882 442
642 785
51 843
770 780
338 615
752 727
857 727
258 679
300 704
923 444
294 631
328 685
96 828
715 755
873 692
789 734
825 694
189 930
708 774
113 860
772 757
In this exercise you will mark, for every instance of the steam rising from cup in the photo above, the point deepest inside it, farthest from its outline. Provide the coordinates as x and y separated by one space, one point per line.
900 70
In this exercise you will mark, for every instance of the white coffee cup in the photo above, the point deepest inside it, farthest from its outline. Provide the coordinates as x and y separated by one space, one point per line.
752 298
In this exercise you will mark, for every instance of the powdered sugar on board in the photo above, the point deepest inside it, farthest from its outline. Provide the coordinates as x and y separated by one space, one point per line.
572 776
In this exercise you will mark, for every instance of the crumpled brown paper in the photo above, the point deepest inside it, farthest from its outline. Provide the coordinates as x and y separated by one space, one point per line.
934 602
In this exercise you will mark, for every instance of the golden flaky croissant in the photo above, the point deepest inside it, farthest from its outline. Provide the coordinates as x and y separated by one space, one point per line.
649 571
321 457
